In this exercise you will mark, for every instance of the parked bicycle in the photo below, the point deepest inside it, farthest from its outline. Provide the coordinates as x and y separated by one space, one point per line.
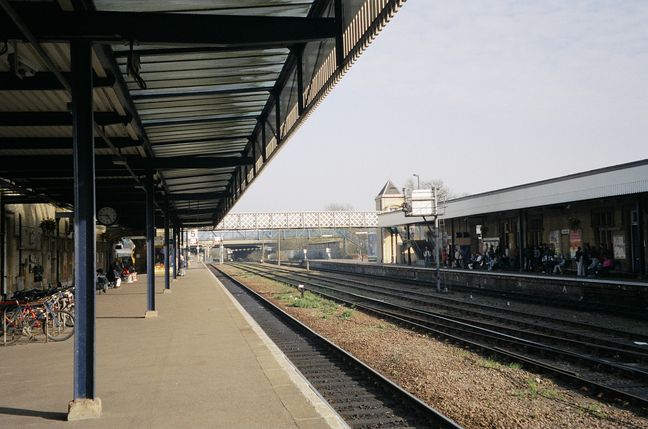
52 317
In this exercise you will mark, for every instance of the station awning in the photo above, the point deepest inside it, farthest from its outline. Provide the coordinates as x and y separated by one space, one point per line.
201 93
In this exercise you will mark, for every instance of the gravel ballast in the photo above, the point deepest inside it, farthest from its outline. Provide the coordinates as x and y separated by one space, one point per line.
475 391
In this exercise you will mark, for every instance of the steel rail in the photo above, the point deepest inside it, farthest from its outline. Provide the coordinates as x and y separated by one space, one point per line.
441 301
609 308
469 328
507 354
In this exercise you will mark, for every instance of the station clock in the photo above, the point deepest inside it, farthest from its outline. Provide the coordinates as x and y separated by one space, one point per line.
107 216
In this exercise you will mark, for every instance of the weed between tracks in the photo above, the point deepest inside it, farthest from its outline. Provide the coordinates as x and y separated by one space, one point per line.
596 410
327 308
488 363
346 314
535 389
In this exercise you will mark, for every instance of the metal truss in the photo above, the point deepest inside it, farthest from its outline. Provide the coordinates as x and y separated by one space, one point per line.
298 220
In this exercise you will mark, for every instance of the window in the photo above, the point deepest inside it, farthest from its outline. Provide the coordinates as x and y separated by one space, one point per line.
534 231
603 224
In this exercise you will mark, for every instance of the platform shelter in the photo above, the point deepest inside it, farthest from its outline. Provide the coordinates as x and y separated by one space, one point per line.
158 114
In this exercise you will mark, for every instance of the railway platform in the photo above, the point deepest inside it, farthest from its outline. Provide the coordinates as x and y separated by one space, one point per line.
203 362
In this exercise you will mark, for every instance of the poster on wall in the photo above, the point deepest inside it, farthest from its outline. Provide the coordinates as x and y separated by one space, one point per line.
554 240
575 241
490 242
618 242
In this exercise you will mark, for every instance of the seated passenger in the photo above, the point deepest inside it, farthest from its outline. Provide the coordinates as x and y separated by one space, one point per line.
607 266
491 263
114 277
547 263
594 267
475 261
560 263
102 281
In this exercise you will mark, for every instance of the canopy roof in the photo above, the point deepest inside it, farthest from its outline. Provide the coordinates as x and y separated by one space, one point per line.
202 93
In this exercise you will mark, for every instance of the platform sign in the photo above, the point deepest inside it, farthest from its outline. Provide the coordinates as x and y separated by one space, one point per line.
422 202
193 237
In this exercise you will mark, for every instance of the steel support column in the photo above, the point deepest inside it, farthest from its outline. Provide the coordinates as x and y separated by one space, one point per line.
150 246
175 251
178 242
409 246
642 235
167 250
521 235
185 242
58 251
3 247
254 163
453 249
84 405
181 244
277 96
299 52
264 145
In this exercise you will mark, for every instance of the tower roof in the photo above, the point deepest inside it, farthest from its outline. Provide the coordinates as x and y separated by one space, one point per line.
389 190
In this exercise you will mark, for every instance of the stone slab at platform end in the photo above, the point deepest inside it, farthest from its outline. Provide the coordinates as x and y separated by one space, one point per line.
151 314
83 409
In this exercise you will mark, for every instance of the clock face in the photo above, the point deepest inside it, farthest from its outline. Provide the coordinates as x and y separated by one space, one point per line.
107 215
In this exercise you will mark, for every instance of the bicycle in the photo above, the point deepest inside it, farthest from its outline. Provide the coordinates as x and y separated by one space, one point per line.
59 324
20 320
48 318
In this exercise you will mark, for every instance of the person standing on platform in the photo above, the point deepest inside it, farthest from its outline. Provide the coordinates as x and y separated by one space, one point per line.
183 266
580 262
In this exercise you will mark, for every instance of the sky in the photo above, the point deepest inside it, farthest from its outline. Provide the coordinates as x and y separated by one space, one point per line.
482 95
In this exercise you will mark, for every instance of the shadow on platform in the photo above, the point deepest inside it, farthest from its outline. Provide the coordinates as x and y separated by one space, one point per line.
48 415
120 317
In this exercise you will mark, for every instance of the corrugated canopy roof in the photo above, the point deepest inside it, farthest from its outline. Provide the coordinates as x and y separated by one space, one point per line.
201 92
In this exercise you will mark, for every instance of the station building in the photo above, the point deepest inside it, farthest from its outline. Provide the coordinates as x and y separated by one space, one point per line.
603 209
37 247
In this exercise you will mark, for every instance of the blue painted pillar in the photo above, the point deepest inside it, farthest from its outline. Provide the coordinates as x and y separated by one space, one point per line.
167 247
84 220
150 245
185 243
181 246
175 251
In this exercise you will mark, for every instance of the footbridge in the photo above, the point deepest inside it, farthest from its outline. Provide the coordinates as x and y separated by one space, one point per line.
351 232
256 228
298 220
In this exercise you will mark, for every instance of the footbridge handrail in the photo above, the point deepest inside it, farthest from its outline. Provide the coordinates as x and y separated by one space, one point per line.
299 220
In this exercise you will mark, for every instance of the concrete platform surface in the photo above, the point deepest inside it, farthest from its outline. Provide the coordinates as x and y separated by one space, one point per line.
203 362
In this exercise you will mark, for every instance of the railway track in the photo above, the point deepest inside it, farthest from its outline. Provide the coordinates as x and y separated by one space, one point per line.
583 304
360 395
611 364
446 304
